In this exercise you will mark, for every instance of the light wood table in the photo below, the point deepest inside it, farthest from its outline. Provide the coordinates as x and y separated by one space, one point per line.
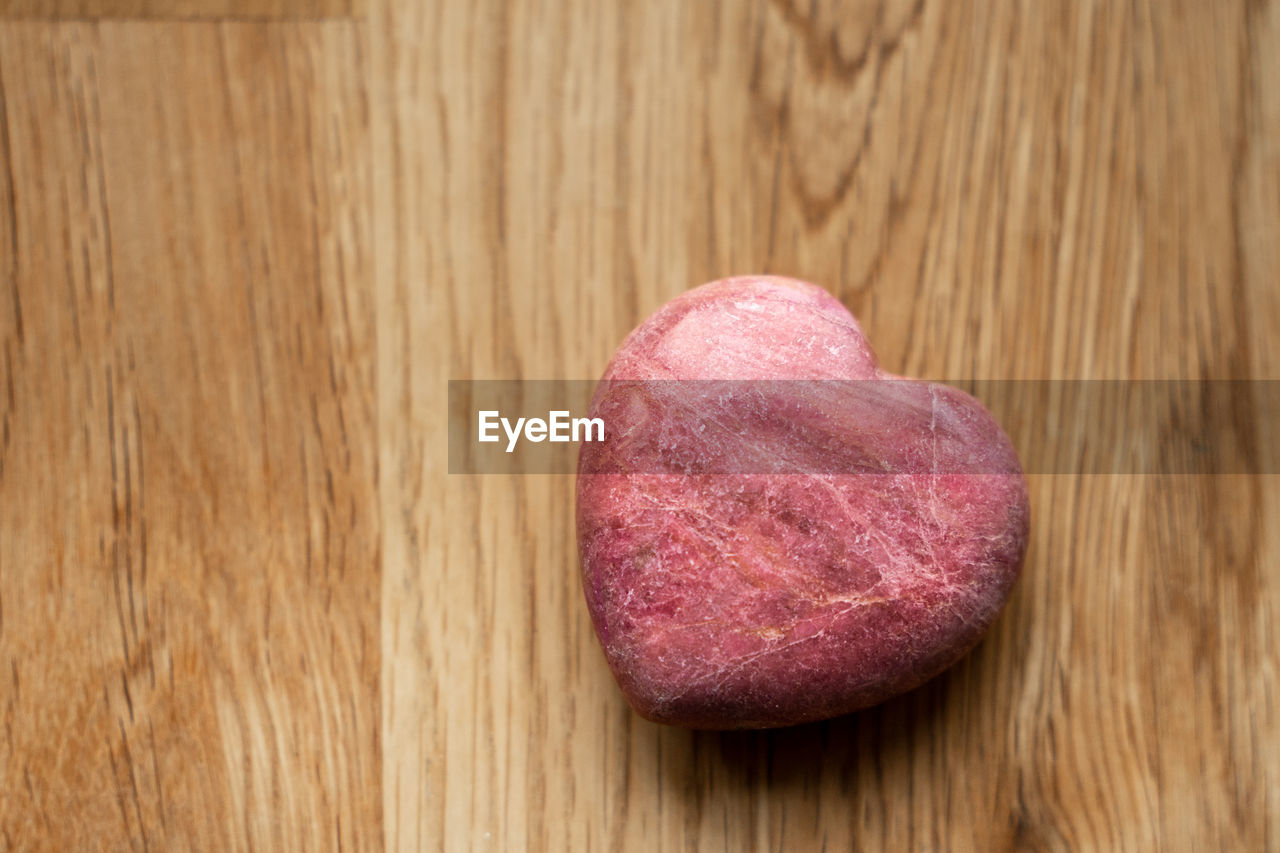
243 245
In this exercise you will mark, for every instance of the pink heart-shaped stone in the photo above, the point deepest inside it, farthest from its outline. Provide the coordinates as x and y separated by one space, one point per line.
786 551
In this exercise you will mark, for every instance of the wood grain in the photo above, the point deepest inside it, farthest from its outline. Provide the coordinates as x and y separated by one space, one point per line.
242 603
189 566
1009 190
181 9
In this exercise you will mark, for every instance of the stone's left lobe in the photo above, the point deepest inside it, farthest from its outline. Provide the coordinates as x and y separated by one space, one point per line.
869 559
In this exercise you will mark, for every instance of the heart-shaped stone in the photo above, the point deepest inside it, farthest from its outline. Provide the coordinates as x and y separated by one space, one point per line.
799 537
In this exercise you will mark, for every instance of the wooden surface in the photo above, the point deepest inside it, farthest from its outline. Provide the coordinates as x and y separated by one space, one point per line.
181 10
243 605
